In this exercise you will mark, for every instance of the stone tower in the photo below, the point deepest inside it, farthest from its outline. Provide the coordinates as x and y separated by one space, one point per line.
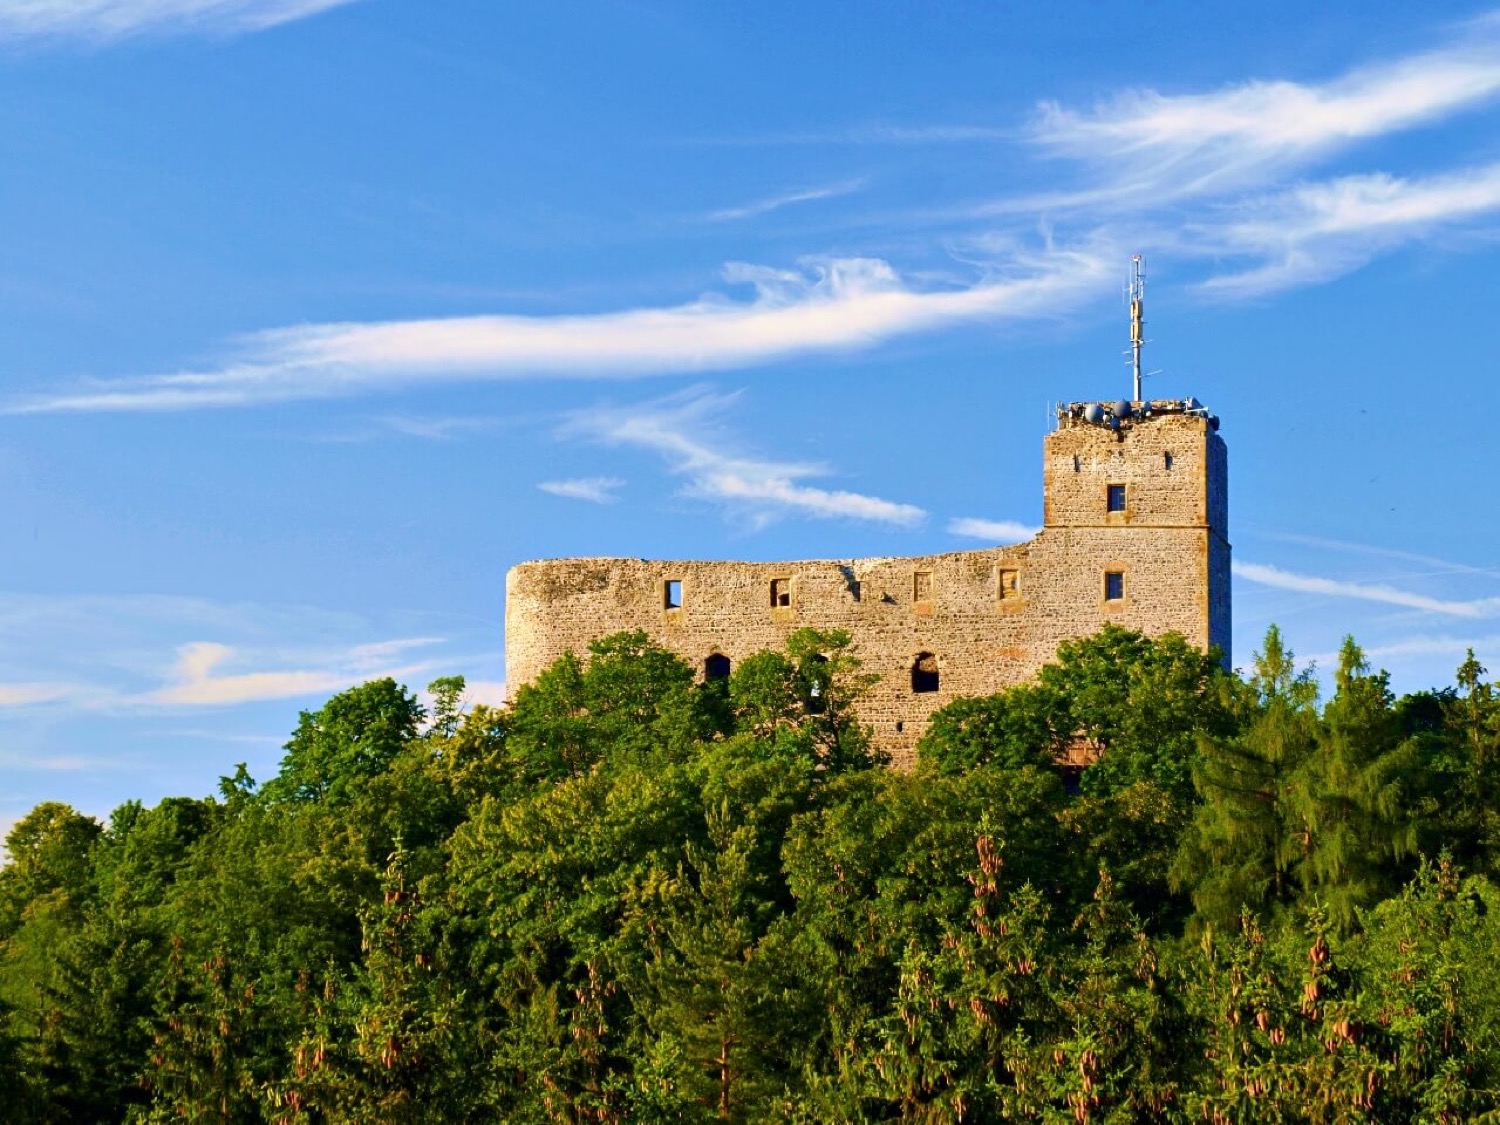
1135 532
1143 495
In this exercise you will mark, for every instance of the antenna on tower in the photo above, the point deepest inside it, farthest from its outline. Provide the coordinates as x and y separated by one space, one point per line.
1137 318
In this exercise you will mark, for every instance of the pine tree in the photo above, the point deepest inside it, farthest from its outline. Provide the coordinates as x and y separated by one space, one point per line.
1351 794
201 1064
1245 845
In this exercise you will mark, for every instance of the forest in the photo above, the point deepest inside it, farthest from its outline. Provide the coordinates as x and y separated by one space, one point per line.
634 897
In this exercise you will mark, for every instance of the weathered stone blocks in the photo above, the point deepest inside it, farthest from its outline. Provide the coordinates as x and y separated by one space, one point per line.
986 619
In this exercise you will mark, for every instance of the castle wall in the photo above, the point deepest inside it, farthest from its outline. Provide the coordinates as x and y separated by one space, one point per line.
990 617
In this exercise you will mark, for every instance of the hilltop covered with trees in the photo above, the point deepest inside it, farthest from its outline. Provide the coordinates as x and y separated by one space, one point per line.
631 897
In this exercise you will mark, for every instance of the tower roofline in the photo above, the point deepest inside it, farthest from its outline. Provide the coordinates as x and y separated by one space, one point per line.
1112 415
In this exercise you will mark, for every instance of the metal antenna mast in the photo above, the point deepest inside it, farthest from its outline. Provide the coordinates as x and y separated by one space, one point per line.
1137 318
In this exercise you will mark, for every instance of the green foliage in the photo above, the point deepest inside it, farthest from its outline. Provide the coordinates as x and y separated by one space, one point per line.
1012 730
1246 842
632 897
352 738
1143 702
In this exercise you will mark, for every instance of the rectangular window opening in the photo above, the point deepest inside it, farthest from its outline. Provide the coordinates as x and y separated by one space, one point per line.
1166 460
921 586
1008 584
781 593
671 594
1116 498
1114 585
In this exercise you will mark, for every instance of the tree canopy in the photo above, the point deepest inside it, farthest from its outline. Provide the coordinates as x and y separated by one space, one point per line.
632 896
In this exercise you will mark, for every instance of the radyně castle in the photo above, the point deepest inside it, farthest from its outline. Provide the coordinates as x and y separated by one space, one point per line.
1135 532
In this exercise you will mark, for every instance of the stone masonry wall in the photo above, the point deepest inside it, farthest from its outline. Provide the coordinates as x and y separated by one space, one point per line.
990 617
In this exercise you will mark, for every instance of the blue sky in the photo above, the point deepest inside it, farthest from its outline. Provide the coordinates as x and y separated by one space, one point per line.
317 315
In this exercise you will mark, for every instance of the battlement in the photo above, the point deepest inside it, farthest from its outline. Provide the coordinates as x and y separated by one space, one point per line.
1135 532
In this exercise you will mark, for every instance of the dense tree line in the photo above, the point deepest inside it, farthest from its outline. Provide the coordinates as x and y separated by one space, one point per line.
632 897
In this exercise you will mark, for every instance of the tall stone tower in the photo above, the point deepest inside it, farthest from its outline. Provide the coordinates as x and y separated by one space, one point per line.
1136 496
1135 533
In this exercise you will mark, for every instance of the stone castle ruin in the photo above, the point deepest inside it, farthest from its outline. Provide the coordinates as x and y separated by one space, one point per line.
1135 532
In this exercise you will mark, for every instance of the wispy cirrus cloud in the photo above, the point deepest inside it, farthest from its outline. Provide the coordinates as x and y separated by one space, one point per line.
1217 180
786 199
198 681
684 430
126 655
596 490
1318 231
34 693
1175 146
1205 175
1273 576
830 305
994 531
104 20
1344 545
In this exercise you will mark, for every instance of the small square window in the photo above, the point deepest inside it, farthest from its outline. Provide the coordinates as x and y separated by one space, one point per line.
781 593
671 594
1008 585
1117 498
1114 585
921 586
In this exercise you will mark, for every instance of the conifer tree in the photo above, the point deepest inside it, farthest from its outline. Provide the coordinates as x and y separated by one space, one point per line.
1473 719
712 993
1350 794
201 1063
1245 845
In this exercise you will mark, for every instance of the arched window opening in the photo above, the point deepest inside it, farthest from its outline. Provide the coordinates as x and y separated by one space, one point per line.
924 674
716 667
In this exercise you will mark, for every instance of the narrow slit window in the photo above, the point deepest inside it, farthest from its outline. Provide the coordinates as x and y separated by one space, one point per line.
1116 498
921 586
1077 464
671 593
1166 460
781 593
1114 585
924 674
716 667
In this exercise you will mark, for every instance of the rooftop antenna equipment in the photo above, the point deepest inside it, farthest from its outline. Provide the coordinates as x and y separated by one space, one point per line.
1137 318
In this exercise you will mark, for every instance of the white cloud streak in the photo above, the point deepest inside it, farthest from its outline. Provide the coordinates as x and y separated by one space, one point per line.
1378 552
1318 231
104 20
149 654
680 428
596 490
1176 146
786 199
198 682
33 694
831 305
994 531
1264 575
